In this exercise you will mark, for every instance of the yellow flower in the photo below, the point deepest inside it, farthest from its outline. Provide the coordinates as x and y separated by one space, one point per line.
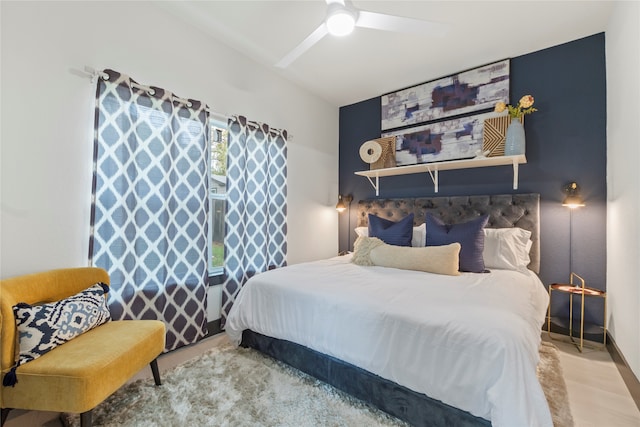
526 101
524 106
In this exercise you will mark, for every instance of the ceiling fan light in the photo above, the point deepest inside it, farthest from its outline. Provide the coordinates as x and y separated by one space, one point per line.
341 23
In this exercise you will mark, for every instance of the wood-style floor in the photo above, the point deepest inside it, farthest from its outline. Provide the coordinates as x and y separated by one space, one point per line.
597 393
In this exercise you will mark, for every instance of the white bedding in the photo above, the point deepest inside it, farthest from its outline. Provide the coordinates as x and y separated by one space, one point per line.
470 341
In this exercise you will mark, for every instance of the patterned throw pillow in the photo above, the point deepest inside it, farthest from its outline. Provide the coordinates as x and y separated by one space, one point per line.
41 328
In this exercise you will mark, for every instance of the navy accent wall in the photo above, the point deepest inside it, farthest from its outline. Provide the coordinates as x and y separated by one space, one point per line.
566 141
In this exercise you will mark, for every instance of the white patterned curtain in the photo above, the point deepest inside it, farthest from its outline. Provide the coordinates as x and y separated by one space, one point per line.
256 217
150 205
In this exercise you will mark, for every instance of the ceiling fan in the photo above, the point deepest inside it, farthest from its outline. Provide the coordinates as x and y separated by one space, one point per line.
342 17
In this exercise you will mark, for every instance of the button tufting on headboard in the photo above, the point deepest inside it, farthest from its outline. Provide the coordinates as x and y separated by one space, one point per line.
504 210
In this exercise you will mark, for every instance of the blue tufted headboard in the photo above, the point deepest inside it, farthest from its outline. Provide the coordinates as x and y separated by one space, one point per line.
505 210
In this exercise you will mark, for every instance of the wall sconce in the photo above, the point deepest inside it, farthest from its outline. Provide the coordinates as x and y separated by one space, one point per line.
340 206
572 200
344 203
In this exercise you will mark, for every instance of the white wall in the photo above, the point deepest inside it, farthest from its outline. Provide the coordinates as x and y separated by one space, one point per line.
47 122
623 179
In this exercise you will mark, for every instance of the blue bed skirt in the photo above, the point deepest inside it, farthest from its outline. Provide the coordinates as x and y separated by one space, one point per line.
415 408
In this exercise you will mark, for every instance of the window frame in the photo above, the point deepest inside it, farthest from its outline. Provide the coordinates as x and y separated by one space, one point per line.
215 273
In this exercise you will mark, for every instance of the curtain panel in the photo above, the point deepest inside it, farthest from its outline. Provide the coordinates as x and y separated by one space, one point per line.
150 209
256 216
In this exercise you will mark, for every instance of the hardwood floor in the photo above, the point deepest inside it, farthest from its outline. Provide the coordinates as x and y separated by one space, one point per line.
597 393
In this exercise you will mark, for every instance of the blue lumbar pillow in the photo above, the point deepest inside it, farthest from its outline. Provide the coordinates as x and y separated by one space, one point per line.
392 233
469 234
41 328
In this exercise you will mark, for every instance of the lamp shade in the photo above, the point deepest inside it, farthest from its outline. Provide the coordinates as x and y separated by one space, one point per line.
573 198
343 202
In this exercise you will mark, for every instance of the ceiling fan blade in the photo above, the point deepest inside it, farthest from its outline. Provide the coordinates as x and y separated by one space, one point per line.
311 39
399 24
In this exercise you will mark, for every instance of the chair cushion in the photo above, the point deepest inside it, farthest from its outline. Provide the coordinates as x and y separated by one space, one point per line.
78 375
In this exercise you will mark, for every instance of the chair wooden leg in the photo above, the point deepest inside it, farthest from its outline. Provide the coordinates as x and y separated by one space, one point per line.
4 415
85 419
156 373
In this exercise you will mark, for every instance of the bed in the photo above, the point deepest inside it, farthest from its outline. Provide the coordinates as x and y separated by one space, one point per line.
430 349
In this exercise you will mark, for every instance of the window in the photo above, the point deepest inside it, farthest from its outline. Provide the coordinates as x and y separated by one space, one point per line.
217 195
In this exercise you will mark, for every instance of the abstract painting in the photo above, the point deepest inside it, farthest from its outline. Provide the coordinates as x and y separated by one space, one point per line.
459 138
461 93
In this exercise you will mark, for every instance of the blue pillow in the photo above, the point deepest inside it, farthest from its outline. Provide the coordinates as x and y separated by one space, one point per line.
469 234
392 233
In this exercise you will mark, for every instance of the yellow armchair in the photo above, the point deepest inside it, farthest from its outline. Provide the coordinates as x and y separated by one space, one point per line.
78 375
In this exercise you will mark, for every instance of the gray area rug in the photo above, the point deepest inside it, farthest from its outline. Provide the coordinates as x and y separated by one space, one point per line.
553 385
229 386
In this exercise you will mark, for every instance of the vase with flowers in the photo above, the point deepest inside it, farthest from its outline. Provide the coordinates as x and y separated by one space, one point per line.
515 139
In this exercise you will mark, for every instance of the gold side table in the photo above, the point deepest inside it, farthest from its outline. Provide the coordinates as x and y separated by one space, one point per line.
583 291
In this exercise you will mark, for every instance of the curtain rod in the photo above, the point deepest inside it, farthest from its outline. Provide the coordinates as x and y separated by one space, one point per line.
94 73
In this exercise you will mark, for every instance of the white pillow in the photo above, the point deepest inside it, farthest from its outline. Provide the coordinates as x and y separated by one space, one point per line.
506 248
418 240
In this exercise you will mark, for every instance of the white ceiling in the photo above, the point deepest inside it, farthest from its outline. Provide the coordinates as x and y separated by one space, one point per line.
368 62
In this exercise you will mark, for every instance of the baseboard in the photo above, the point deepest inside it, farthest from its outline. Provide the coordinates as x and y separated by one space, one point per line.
629 378
214 328
558 329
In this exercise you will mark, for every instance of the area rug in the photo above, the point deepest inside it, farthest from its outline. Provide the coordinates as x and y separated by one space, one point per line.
555 389
229 386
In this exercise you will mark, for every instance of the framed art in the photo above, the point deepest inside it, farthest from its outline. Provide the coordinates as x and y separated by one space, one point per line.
458 138
462 93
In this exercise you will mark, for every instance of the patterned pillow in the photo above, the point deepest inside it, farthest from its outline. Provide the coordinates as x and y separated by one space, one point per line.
41 328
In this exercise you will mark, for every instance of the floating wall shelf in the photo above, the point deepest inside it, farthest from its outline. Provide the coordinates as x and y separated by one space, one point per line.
434 168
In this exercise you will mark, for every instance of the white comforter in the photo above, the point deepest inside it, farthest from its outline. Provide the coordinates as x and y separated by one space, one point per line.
470 341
